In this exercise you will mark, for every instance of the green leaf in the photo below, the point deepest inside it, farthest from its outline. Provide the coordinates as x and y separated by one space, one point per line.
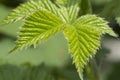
25 10
69 14
73 12
39 26
84 39
45 19
97 22
83 44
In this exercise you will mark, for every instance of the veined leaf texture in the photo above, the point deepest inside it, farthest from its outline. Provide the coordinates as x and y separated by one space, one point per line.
43 19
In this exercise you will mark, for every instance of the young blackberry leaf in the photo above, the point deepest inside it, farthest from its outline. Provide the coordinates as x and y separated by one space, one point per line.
39 26
98 22
84 39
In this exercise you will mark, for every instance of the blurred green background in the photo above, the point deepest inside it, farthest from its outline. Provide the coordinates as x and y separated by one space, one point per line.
51 59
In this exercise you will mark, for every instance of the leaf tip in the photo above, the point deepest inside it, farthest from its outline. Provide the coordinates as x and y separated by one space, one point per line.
81 75
13 50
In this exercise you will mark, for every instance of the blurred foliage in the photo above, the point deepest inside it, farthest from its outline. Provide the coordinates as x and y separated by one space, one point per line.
114 72
111 10
98 2
11 3
101 54
43 53
10 72
41 72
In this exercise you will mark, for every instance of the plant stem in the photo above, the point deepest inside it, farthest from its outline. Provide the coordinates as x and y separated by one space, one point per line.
92 70
85 7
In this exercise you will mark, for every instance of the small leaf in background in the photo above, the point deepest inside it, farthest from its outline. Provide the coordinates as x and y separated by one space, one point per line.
22 11
28 8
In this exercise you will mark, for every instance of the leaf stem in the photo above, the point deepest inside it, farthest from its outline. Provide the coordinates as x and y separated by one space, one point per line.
85 7
92 71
